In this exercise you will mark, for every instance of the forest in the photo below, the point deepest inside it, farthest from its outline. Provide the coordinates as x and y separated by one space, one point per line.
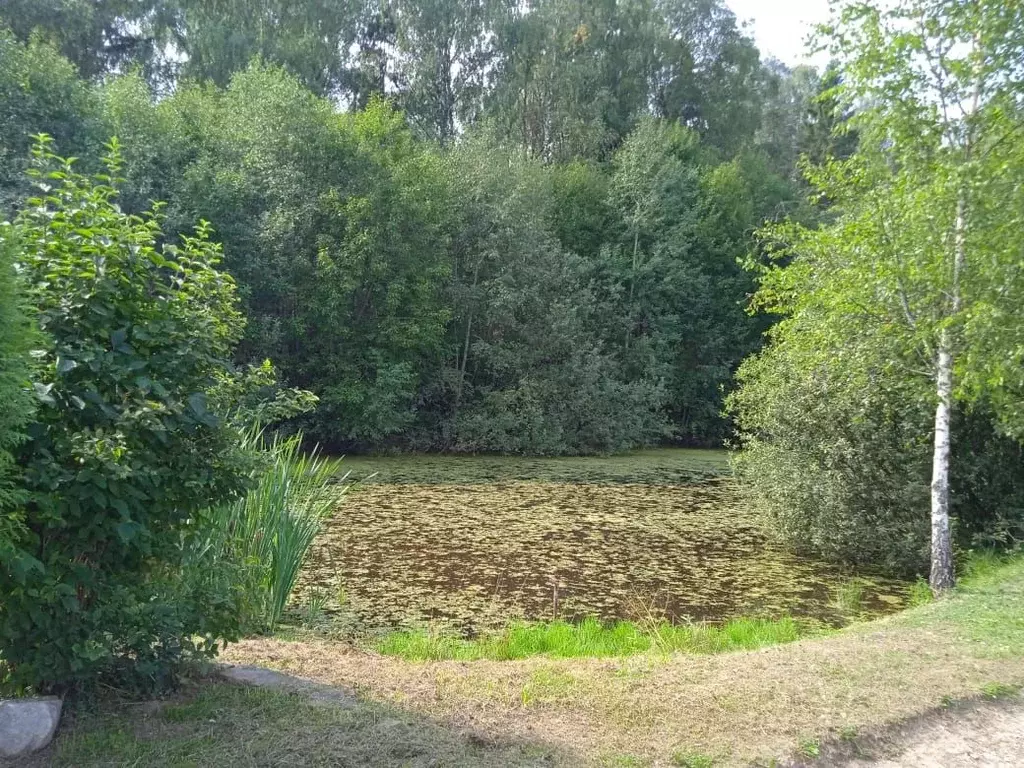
241 239
464 227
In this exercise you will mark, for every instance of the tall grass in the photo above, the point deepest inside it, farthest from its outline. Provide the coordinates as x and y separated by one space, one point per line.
591 638
848 599
270 530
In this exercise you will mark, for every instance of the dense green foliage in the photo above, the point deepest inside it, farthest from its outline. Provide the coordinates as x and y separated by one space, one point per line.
41 93
838 459
123 449
16 403
511 263
473 226
902 314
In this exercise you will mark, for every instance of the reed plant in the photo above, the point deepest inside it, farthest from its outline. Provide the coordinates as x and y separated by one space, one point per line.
268 533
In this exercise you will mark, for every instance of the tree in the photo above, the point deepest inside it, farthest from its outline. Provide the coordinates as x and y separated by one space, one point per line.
788 95
16 402
708 74
825 131
526 367
670 267
443 55
217 38
40 92
571 76
331 224
97 36
920 251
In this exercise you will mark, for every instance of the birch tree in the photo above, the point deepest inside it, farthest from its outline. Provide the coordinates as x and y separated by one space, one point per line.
922 256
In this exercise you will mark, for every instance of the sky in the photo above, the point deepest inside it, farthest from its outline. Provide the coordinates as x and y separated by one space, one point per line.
780 26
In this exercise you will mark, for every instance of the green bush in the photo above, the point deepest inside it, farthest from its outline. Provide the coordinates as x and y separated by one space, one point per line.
837 459
124 451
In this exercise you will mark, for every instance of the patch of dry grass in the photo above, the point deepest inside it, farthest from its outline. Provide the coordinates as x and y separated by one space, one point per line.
647 710
740 706
218 724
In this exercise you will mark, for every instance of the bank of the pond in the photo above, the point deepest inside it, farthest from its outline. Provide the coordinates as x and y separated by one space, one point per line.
591 638
730 709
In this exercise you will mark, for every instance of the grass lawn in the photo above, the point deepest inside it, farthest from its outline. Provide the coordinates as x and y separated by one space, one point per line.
650 709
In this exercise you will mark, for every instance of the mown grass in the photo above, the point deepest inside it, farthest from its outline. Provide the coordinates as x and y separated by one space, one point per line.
218 724
725 710
987 608
591 639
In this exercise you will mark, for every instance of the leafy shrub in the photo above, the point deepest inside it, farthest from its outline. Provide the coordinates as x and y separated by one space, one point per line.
125 450
837 458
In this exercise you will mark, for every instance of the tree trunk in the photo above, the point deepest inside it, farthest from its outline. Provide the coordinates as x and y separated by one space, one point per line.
942 545
465 349
942 577
632 289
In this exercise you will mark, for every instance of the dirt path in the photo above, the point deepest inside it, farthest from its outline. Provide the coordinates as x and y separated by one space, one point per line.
989 735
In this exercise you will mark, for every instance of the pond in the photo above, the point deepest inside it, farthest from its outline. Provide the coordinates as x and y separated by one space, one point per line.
468 543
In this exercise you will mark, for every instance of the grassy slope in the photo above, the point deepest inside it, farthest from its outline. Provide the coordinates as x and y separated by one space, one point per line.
643 710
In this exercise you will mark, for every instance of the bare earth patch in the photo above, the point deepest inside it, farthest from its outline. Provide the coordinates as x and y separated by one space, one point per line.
989 735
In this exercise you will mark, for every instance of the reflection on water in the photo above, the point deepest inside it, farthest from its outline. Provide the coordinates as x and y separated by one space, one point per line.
581 539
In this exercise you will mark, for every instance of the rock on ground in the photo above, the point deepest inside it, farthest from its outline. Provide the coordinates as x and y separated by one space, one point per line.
27 725
262 677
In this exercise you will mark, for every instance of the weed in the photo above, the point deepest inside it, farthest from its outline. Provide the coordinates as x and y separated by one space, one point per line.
202 709
692 760
919 593
271 529
624 761
809 748
982 564
546 686
996 690
590 638
848 733
848 598
315 605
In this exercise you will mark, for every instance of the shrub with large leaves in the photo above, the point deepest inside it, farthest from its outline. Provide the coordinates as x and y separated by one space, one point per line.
125 449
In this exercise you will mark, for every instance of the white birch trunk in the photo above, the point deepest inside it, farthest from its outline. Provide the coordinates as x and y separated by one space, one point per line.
942 577
942 545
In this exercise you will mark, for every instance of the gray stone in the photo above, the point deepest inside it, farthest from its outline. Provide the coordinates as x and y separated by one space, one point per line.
27 725
261 677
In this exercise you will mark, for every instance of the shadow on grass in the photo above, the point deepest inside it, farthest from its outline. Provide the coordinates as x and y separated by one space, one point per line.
213 723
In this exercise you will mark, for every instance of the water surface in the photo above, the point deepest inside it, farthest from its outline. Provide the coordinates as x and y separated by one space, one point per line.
471 542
